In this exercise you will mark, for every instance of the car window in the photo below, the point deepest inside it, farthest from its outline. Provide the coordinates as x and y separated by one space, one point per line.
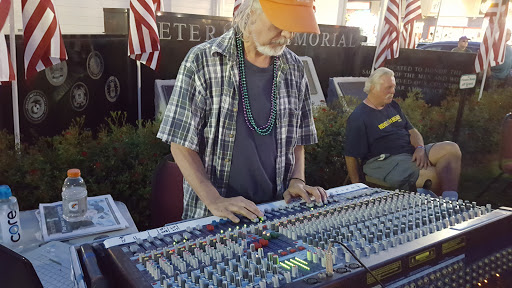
433 47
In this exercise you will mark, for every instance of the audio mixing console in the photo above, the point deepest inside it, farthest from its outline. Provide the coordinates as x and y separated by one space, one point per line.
406 239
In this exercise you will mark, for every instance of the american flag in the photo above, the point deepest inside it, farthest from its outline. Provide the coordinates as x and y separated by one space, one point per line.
412 13
388 44
492 49
44 46
237 5
159 5
6 70
143 41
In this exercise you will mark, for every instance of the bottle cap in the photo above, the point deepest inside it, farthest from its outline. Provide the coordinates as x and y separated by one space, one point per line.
5 192
74 172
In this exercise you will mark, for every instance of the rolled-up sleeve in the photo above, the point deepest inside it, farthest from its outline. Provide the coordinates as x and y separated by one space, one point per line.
306 132
185 111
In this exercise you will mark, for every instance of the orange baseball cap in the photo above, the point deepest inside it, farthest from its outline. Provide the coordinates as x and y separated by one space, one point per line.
291 15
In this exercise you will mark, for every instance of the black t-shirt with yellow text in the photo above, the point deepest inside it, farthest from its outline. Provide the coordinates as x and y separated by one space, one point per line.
371 132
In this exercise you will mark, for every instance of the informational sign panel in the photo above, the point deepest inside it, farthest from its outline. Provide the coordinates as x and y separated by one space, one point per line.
467 81
434 73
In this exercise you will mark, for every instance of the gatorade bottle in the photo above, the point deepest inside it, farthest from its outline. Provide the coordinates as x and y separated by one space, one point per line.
10 219
74 196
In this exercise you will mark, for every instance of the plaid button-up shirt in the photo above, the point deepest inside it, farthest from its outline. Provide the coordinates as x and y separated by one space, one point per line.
202 110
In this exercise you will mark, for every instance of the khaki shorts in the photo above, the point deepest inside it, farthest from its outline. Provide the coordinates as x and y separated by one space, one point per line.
396 170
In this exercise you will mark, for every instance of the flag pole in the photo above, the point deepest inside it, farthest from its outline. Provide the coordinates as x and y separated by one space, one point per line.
437 21
487 60
14 83
138 91
342 14
379 33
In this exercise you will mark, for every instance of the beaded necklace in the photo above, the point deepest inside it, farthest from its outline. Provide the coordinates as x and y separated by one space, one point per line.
249 119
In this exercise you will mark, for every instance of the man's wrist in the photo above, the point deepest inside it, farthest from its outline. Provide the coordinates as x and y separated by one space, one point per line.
211 197
297 178
420 146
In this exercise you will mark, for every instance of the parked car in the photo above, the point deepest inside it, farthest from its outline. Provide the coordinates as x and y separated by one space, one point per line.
447 46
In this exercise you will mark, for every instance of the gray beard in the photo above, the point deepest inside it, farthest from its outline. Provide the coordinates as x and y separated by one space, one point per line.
267 49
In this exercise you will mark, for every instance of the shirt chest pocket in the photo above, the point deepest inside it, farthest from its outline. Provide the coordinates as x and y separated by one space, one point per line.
289 105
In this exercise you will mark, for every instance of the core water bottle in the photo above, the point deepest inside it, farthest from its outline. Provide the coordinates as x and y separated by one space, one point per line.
74 197
10 219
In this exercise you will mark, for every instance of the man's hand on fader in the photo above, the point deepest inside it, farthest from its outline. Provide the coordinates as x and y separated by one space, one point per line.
228 207
297 188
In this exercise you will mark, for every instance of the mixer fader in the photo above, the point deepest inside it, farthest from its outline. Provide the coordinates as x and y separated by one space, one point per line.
400 236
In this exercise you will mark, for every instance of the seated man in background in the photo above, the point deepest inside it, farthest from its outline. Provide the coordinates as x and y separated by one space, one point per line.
391 149
462 46
241 112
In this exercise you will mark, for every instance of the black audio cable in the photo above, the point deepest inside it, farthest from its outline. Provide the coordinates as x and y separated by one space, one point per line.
353 255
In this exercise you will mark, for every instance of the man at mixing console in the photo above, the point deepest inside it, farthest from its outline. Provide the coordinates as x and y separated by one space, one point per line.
391 149
240 113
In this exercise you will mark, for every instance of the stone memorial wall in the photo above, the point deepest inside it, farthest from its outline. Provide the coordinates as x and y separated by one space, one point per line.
99 77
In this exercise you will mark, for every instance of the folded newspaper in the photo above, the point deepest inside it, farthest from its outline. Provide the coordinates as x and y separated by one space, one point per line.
102 215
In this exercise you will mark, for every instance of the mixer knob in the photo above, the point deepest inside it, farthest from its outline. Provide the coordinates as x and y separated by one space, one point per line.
315 257
295 271
315 242
262 273
275 281
230 276
238 282
394 241
177 238
275 269
376 247
287 277
209 274
203 283
358 252
264 264
367 250
253 268
309 255
257 260
385 244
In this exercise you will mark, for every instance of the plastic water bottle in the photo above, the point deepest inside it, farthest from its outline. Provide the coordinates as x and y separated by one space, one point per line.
74 196
10 219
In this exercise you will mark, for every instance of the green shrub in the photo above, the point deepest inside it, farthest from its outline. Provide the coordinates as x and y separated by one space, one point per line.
325 161
479 131
119 160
